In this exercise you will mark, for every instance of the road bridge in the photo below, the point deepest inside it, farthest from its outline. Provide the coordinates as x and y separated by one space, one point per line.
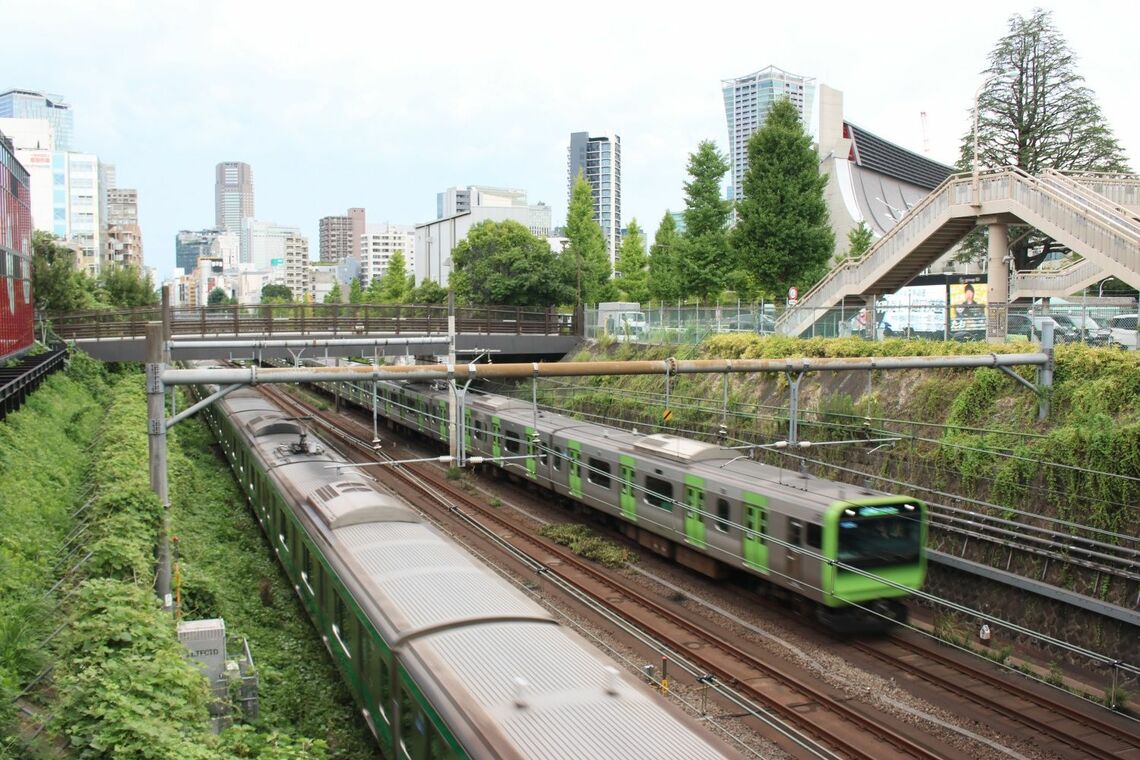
1095 215
505 332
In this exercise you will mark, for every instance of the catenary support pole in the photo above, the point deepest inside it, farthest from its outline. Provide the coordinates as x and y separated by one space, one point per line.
1045 371
156 440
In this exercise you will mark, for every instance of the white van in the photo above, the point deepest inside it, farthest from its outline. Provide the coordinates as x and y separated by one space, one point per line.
1122 329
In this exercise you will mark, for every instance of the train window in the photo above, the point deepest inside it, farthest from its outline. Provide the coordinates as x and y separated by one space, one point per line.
340 623
512 442
557 458
814 535
795 532
477 433
307 567
658 493
599 473
722 514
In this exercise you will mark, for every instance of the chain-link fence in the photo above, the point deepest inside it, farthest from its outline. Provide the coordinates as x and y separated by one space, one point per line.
1097 322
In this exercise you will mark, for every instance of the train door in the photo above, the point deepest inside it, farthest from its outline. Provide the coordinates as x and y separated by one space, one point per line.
496 437
792 558
755 532
628 500
694 511
531 462
574 450
444 420
467 430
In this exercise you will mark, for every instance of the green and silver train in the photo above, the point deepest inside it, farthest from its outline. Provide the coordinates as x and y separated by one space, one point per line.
445 658
851 553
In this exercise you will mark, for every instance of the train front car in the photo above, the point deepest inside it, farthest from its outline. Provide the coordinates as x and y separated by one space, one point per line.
874 552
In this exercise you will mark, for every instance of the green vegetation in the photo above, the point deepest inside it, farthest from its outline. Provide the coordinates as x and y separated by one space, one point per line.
665 262
705 240
782 237
503 263
632 277
59 286
582 541
588 255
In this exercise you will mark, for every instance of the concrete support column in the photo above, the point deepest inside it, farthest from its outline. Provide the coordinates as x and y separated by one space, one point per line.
997 298
156 439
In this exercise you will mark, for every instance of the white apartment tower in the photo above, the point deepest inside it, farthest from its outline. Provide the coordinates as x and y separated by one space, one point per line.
599 159
379 242
747 100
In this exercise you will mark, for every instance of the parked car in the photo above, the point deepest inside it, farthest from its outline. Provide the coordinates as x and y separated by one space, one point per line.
1091 331
1122 331
1064 329
1018 327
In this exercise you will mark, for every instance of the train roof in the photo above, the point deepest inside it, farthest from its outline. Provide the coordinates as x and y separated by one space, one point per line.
488 636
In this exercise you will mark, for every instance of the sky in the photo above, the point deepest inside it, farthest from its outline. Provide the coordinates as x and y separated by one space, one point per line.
382 105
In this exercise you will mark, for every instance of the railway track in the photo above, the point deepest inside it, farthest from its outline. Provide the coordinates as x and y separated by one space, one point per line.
848 729
1073 731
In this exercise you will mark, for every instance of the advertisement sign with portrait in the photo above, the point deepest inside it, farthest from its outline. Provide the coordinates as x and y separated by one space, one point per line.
968 303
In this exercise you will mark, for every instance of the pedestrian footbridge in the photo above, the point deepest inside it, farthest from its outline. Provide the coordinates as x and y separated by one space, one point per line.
1095 215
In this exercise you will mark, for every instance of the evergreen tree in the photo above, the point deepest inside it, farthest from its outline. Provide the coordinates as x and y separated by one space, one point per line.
217 297
588 252
355 291
705 258
633 281
125 287
782 235
56 284
1035 113
859 241
664 262
394 282
276 293
333 296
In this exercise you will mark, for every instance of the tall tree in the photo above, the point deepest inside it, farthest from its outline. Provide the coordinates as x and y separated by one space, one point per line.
333 296
394 282
633 280
355 291
126 287
665 262
56 284
782 235
428 291
704 249
588 251
1035 113
859 241
503 263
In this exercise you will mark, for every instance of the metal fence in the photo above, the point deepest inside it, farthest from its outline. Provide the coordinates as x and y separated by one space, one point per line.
1089 322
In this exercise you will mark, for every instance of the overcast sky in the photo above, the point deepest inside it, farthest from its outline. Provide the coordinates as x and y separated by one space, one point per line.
382 105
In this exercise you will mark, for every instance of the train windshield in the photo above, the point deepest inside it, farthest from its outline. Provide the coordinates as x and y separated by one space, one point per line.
874 536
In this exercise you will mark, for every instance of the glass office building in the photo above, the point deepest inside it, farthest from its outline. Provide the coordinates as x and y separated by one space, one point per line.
29 104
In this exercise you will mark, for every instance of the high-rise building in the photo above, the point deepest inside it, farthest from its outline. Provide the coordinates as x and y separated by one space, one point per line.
747 100
341 235
233 195
335 238
15 250
460 200
191 245
29 104
297 275
124 246
67 201
263 244
359 222
122 206
599 160
379 242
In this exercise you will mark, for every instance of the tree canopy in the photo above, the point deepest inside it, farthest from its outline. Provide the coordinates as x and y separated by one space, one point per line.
704 257
217 297
428 291
276 293
394 286
664 262
58 286
503 263
1036 113
633 280
588 250
859 241
782 236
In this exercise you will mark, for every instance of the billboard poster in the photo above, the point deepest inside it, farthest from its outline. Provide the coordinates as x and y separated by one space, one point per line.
968 303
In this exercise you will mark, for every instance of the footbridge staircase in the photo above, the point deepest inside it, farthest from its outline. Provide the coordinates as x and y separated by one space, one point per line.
1097 216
